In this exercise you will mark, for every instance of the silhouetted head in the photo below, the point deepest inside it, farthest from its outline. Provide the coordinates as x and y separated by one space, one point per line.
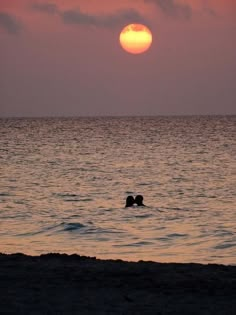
129 201
139 200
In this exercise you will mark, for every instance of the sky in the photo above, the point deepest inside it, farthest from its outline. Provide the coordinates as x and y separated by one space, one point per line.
63 58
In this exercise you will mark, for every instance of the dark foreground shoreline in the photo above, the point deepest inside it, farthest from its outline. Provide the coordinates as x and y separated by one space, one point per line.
72 284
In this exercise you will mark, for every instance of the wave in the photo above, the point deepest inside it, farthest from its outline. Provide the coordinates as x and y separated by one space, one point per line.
45 229
73 226
56 228
88 228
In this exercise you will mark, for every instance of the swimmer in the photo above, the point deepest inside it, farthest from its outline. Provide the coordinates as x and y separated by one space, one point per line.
139 201
129 201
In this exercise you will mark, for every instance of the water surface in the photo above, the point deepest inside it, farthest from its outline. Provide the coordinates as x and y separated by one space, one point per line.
63 185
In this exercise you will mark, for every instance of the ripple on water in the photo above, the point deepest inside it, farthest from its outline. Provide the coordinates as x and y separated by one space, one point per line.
143 216
5 194
176 235
225 245
136 244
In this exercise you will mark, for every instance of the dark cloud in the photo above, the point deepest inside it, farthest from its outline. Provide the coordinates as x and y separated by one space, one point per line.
49 8
113 20
206 9
210 11
10 23
173 8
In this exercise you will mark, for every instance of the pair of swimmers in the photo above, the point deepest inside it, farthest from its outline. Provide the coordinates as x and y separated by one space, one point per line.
130 201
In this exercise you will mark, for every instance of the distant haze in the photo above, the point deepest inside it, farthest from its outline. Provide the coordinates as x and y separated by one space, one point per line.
63 58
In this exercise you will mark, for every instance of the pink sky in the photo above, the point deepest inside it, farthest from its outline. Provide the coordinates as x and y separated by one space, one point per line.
64 58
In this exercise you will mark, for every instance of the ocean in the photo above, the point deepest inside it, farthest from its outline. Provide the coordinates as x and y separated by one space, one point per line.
64 182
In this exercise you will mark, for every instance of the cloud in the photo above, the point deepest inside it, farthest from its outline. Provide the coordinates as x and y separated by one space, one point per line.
173 8
10 23
207 9
210 11
106 21
78 17
49 8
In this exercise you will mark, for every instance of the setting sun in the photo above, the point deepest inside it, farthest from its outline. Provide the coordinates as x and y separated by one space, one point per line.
135 38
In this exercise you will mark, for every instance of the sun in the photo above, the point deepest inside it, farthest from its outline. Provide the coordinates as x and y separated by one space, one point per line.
135 38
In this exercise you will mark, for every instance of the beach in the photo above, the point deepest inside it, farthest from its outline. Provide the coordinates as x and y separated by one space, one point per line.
73 284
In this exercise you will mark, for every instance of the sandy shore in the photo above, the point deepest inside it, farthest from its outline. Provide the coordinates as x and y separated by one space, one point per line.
62 284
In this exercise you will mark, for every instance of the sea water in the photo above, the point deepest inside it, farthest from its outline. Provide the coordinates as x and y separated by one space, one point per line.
64 181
